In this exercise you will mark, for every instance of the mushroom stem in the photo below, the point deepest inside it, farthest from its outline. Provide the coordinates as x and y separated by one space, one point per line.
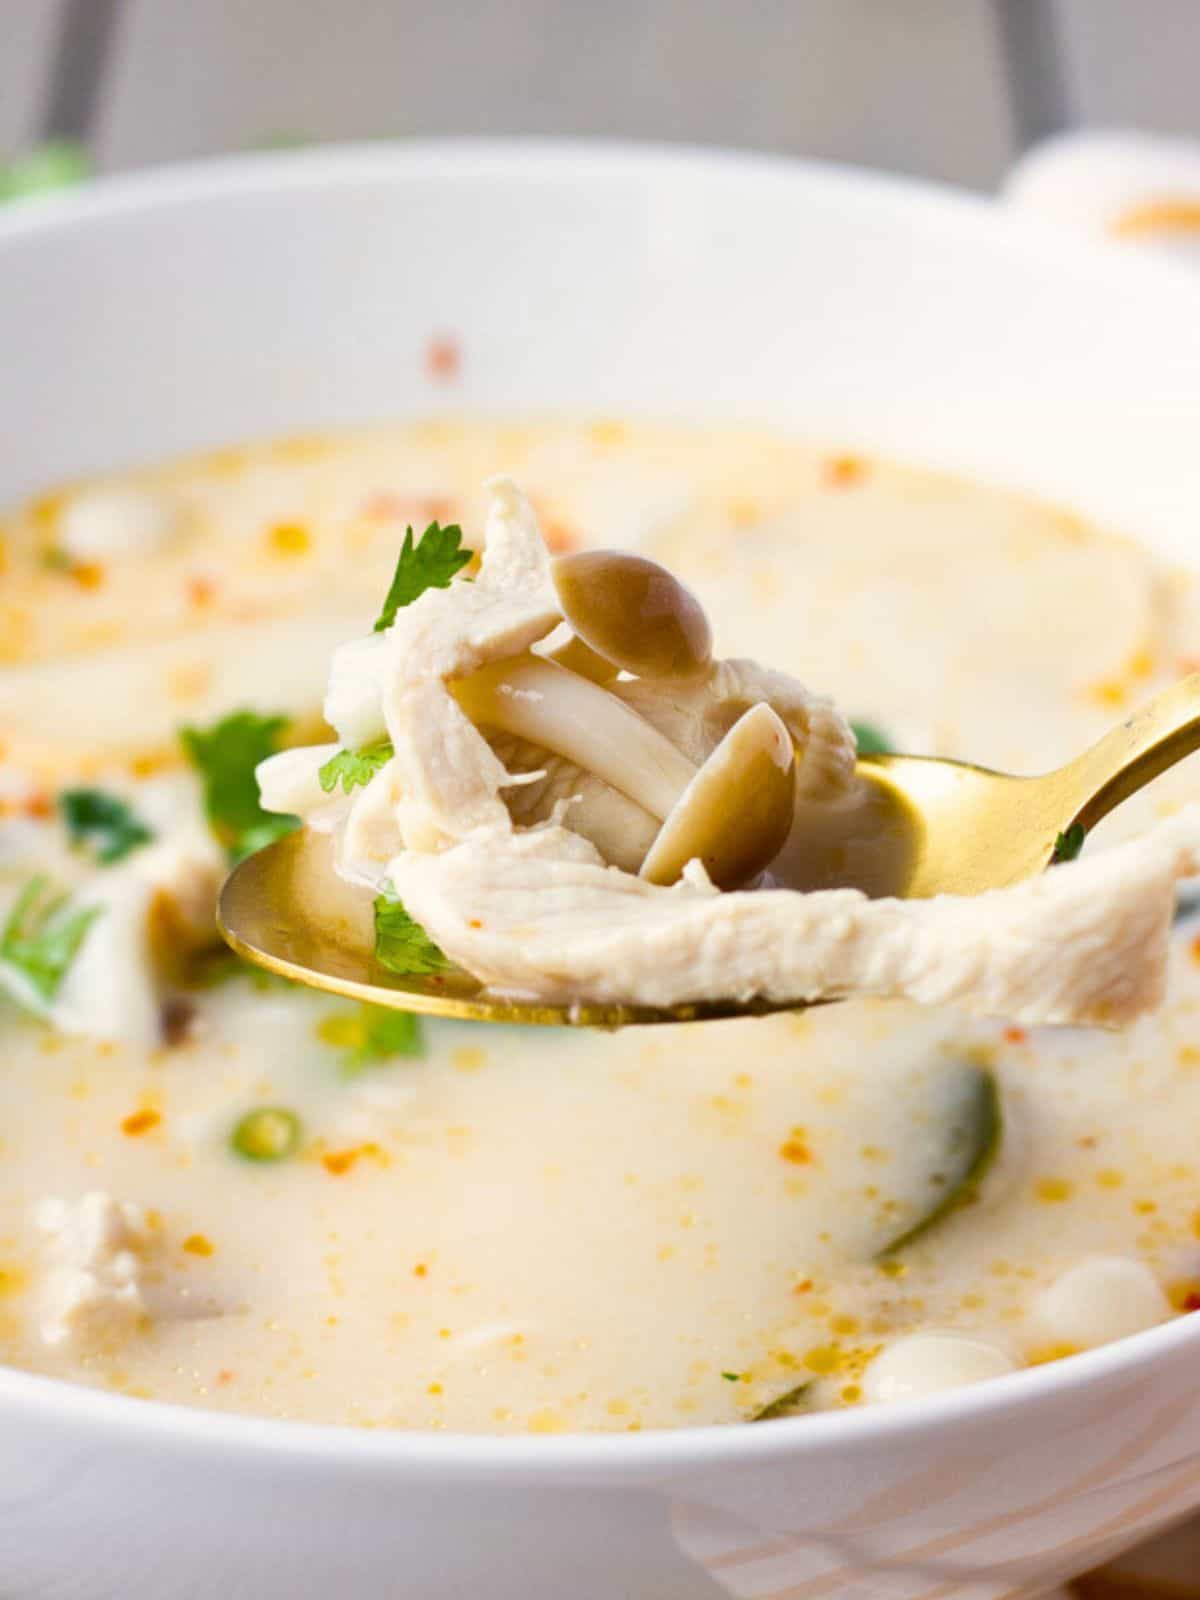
576 656
575 718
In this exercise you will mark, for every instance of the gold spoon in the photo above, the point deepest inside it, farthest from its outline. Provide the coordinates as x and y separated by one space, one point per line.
918 827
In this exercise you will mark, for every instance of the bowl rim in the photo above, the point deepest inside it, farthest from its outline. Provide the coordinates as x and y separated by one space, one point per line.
608 1456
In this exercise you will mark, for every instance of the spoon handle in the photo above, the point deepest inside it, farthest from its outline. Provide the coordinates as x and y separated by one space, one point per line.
1156 736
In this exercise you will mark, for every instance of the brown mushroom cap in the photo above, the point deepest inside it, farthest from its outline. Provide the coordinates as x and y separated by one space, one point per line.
736 813
634 613
576 656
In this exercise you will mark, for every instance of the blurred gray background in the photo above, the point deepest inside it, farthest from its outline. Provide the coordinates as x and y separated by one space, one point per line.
949 89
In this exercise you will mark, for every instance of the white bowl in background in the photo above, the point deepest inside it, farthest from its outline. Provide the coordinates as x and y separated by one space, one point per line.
290 292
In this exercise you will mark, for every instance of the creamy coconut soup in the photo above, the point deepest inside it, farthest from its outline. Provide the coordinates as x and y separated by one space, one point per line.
218 1190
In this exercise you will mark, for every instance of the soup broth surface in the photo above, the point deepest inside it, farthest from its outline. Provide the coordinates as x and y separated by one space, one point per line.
512 1230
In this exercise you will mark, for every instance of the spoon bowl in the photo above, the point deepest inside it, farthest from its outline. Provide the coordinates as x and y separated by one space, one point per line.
915 827
286 910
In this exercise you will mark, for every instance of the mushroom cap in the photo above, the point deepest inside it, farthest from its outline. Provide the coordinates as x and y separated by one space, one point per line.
736 813
634 613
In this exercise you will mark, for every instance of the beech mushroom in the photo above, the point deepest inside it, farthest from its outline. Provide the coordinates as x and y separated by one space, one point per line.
576 718
736 813
571 652
633 613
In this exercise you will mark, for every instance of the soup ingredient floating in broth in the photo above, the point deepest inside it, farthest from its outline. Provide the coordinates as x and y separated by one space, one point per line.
545 772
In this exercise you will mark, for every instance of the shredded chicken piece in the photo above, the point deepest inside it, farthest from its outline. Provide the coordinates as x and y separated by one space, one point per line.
98 1249
540 914
531 888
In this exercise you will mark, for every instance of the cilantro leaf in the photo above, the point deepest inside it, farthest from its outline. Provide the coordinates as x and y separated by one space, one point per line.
104 821
371 1034
1068 845
57 164
42 935
212 967
225 756
428 564
402 945
351 768
872 740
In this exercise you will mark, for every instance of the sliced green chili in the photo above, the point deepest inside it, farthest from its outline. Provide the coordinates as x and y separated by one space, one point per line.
268 1133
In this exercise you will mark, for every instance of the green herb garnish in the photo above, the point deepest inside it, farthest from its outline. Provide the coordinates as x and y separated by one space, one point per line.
226 755
104 822
352 768
974 1127
372 1034
268 1133
788 1404
401 944
57 164
871 739
732 1377
212 967
42 935
429 564
1068 845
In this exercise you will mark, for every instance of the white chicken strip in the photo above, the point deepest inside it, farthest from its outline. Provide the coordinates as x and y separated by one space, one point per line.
512 885
540 914
447 780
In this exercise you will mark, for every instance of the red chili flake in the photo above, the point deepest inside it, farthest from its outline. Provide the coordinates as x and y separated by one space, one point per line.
1015 1035
139 1122
225 1376
443 358
38 805
88 574
803 1286
842 472
560 537
383 506
339 1162
796 1151
1191 1302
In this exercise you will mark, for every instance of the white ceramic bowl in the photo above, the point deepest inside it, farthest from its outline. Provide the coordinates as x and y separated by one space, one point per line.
277 293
